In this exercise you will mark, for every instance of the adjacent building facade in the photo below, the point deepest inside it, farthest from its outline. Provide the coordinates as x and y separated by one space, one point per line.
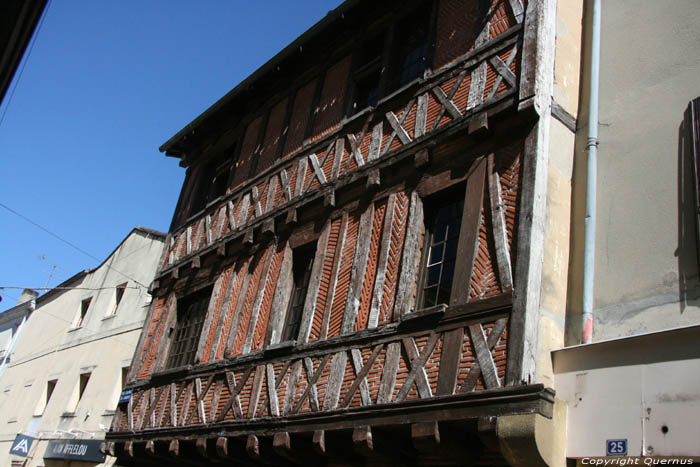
59 390
11 323
639 381
368 262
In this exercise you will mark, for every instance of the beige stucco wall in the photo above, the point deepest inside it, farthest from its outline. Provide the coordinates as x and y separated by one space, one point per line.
645 267
51 348
560 149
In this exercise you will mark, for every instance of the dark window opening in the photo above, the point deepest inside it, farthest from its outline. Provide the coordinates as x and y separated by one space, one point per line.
191 312
125 373
212 183
50 386
302 262
366 75
366 91
411 51
443 221
84 306
84 379
119 294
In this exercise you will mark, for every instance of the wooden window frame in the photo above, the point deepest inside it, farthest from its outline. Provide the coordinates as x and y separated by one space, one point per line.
82 313
388 63
302 264
181 357
432 205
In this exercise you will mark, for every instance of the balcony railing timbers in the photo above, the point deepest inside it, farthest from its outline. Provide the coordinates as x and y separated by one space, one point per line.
352 375
358 147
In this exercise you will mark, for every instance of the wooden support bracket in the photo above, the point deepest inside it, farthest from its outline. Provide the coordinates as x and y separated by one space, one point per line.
479 124
362 441
249 237
373 179
268 227
421 158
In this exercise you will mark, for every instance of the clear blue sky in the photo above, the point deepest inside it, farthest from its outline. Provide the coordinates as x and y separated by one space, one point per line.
105 84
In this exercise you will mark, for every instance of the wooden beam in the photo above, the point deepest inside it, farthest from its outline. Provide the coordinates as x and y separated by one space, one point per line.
335 381
466 249
234 401
257 304
391 366
397 126
362 441
256 390
333 281
314 285
499 226
473 376
446 102
421 115
283 291
211 310
421 158
311 392
478 75
469 234
382 262
219 331
417 364
425 436
232 330
302 164
374 180
361 370
357 274
410 260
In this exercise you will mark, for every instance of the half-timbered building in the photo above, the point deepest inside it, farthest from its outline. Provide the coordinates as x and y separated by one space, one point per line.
362 267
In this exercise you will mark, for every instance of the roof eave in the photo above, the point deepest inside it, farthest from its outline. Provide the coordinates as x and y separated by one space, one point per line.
170 147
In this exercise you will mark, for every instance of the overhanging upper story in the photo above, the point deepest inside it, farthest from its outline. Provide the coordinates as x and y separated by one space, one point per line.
352 244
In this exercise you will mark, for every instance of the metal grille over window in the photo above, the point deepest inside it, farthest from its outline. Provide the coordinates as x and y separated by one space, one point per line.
443 235
191 312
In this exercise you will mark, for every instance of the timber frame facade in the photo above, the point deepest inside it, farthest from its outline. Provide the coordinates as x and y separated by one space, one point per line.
289 164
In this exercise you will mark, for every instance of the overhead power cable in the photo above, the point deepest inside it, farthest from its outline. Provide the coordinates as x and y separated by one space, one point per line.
72 245
66 288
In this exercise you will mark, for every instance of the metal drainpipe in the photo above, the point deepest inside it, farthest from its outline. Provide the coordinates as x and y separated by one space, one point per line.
591 180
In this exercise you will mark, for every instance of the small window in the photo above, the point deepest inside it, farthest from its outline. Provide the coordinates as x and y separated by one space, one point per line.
118 295
443 220
84 306
303 258
211 182
50 386
411 51
84 379
125 373
191 312
366 76
45 398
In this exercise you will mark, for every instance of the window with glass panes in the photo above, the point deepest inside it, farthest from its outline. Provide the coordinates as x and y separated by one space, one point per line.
191 312
440 252
302 262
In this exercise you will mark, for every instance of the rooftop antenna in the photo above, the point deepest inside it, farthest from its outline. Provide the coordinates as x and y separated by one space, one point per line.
53 269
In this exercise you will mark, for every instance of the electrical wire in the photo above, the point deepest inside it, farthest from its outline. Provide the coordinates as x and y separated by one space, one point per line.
67 288
70 244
